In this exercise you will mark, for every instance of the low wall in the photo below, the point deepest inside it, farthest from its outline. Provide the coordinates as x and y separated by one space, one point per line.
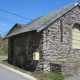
72 68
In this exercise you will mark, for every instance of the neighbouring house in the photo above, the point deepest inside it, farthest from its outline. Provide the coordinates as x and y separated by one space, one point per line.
47 39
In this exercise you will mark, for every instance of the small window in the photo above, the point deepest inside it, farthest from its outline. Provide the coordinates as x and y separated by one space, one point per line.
76 36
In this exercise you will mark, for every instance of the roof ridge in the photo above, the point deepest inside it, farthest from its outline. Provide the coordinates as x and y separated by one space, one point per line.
58 14
42 22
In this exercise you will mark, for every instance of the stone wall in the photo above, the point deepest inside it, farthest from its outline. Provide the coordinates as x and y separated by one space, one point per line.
48 43
71 68
22 47
53 48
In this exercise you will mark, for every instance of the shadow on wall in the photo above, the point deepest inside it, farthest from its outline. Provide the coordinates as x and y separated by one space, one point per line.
31 65
28 65
23 50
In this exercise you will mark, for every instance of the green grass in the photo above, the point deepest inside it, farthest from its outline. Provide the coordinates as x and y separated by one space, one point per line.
52 76
3 54
43 76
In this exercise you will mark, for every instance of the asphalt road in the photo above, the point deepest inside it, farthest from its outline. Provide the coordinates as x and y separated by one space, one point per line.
6 74
3 58
73 78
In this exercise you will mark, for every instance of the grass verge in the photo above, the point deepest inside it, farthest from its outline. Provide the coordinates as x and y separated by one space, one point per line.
3 54
37 74
49 76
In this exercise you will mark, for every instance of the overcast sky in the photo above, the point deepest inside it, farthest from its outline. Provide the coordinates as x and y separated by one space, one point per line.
27 8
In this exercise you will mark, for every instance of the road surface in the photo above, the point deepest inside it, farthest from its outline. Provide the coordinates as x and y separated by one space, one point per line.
3 58
73 78
6 74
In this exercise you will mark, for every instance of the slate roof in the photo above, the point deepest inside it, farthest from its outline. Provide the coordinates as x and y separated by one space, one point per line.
43 21
16 25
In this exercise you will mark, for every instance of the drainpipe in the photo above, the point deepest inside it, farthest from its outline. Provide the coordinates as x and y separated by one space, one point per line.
61 30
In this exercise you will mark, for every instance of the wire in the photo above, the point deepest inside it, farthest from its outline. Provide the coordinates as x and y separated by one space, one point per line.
7 21
15 14
11 19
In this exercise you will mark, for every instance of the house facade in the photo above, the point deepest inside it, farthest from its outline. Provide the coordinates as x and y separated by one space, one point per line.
55 36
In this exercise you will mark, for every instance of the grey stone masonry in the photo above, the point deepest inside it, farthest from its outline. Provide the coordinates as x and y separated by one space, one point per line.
53 48
71 68
54 43
22 47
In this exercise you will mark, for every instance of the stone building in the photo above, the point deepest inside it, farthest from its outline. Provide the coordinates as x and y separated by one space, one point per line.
54 36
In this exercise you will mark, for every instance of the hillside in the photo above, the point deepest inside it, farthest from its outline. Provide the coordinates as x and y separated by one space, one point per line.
3 45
